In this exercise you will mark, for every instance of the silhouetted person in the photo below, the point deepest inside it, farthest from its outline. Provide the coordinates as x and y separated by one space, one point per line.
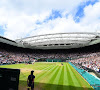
30 81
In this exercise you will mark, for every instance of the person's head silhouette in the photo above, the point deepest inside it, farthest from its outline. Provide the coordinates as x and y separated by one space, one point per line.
32 72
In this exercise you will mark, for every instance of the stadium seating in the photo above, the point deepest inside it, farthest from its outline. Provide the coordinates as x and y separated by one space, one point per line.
92 80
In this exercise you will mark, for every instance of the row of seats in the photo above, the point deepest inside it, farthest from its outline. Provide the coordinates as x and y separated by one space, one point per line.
92 80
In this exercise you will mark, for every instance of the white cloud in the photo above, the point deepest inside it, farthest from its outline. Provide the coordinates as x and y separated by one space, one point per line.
89 23
92 14
20 17
60 25
92 17
38 6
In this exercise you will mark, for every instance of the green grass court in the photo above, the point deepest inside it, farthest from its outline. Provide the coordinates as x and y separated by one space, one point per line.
51 76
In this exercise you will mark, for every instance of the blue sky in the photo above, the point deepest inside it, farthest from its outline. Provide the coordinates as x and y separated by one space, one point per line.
53 15
24 18
1 31
80 10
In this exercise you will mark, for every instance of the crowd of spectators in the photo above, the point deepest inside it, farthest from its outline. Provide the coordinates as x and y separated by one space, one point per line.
89 57
8 57
91 60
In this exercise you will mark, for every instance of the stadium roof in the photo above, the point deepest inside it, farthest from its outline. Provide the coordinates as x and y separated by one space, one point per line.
60 40
56 41
7 41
